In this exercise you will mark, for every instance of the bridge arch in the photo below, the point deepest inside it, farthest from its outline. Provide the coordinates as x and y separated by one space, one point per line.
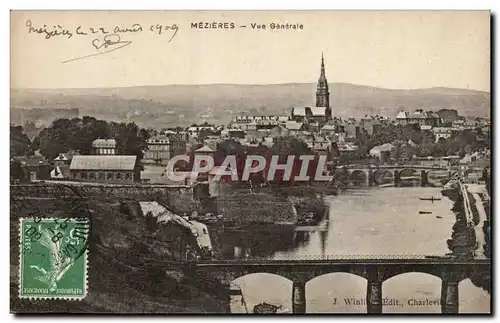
409 172
408 175
247 291
403 270
257 274
424 297
341 176
438 177
340 273
337 292
359 177
383 176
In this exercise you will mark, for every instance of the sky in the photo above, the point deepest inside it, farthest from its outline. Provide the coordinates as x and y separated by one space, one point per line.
395 49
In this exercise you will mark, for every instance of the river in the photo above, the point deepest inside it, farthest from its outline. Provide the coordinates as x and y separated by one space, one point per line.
383 222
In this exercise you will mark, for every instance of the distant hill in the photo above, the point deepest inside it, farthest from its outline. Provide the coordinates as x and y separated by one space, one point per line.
41 117
173 105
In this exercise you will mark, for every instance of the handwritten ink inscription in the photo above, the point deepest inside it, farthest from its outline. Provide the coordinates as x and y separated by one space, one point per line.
104 40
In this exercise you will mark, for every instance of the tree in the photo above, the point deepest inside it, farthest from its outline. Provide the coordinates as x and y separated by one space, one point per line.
341 177
16 171
289 146
129 141
19 143
226 148
78 134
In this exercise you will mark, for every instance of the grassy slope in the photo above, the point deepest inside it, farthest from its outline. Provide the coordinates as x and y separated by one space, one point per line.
119 280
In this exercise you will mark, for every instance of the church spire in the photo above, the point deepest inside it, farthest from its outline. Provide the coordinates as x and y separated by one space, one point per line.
322 65
322 92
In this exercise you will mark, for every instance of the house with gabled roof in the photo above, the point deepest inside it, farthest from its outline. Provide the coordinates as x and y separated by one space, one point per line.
419 116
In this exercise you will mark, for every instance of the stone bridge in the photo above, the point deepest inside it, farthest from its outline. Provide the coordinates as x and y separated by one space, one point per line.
375 271
372 175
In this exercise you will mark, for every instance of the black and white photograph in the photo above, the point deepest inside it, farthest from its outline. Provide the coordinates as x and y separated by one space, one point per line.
250 162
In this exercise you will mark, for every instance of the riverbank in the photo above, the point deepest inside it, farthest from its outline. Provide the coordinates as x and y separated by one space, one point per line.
468 239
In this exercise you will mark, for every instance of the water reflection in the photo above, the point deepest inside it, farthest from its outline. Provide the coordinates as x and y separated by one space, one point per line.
362 222
247 243
375 222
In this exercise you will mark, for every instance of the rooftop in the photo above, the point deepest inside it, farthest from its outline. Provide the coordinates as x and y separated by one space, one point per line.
109 162
292 125
318 111
159 140
417 114
61 171
104 143
301 112
384 147
204 149
31 161
328 127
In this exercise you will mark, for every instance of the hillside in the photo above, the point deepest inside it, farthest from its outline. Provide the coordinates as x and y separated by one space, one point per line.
173 105
129 269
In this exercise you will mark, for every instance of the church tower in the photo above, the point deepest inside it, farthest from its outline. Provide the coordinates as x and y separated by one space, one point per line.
322 93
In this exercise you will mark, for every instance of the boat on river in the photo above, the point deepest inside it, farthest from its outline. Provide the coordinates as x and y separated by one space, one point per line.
432 198
424 212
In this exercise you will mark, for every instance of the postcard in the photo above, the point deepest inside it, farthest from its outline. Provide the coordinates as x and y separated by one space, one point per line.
276 162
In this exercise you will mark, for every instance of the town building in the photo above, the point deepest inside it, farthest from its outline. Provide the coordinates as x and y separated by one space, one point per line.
60 172
420 117
177 144
465 123
61 159
194 131
117 169
212 142
159 150
328 129
233 133
338 137
253 123
373 123
205 150
300 114
351 130
442 132
320 145
383 152
64 158
294 127
104 146
33 167
346 149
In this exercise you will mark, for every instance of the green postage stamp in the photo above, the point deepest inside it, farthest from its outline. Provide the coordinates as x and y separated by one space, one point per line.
53 258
